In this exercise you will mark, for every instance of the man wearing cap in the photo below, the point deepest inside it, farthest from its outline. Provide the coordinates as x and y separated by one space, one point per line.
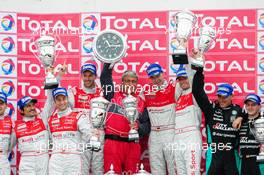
248 145
119 150
5 136
79 100
160 103
187 145
67 129
31 134
219 117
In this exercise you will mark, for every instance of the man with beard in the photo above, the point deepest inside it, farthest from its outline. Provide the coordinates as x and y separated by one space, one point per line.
79 100
31 133
119 150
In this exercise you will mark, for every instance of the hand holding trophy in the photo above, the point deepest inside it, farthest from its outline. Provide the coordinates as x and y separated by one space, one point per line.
207 36
98 113
130 106
184 22
46 54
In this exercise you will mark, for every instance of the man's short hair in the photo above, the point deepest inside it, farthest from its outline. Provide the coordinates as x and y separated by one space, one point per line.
129 73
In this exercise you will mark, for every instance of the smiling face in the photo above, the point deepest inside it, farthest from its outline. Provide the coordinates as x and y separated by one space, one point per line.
157 79
129 82
88 79
2 107
224 101
252 108
61 102
29 110
184 82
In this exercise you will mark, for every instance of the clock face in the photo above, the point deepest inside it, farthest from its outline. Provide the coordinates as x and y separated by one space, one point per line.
109 45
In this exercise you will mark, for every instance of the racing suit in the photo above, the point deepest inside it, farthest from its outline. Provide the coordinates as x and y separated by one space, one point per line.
79 100
118 149
161 108
187 140
221 136
32 136
67 130
249 148
5 137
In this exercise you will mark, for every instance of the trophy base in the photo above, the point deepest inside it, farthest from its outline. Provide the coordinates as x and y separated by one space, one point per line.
51 82
260 158
180 58
133 135
51 86
95 144
199 62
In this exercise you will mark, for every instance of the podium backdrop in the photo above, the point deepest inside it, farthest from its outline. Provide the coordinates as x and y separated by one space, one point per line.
236 57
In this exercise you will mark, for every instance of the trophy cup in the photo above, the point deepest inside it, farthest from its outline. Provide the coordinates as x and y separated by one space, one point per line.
130 106
142 171
111 171
258 131
98 113
207 36
184 22
46 55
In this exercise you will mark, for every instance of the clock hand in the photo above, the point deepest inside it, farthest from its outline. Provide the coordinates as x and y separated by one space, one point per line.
118 45
108 43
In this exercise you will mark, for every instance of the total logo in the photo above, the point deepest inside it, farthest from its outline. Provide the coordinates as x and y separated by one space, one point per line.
261 86
10 109
88 45
90 22
8 66
7 44
7 22
261 65
261 20
8 88
261 42
174 43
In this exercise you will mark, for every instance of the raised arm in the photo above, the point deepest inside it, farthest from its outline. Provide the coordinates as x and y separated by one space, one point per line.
107 84
49 107
199 93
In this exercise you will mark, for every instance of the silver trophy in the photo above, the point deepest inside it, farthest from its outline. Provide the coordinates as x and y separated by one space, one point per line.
46 54
207 37
258 132
142 171
111 171
98 114
130 105
184 22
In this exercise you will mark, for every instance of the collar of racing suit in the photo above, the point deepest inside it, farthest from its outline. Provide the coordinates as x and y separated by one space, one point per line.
89 90
28 118
64 113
